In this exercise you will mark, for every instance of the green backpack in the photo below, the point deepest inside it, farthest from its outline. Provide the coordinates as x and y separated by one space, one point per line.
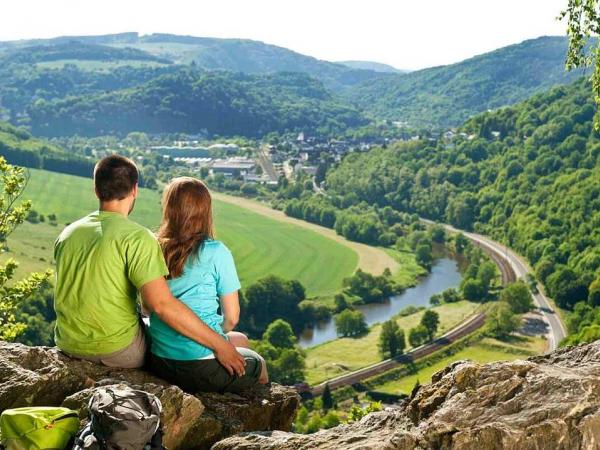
37 428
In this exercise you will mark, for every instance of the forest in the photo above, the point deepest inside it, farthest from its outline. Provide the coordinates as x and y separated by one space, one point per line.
194 101
527 175
448 95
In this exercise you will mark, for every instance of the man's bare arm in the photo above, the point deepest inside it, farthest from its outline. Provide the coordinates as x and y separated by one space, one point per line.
158 299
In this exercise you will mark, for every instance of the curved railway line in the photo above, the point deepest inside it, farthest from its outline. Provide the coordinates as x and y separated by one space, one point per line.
511 267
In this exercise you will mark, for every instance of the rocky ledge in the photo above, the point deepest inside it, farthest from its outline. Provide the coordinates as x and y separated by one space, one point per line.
42 376
549 402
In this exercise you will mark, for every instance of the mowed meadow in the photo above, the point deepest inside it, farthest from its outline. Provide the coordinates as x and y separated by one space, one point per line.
260 245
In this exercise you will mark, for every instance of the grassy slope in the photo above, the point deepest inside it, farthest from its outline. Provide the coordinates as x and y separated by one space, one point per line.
347 354
260 245
488 350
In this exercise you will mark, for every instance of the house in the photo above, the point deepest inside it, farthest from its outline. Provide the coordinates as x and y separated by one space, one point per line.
233 166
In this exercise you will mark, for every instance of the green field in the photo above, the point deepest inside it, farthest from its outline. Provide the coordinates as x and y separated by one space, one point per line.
345 355
260 245
488 350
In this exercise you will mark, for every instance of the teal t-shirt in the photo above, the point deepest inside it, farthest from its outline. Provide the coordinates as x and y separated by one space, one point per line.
207 275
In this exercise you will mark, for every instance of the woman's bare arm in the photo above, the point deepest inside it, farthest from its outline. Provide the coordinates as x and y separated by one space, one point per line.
230 307
158 299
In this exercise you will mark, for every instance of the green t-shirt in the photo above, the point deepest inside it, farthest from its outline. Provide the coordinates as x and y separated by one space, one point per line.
101 262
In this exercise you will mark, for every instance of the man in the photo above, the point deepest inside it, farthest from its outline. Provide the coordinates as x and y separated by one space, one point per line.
102 261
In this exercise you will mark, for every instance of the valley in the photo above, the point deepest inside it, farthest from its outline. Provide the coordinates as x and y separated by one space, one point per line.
385 223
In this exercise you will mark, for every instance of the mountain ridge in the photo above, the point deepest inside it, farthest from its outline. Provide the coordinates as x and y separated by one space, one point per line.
447 95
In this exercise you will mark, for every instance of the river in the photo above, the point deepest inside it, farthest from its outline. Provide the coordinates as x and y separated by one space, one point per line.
444 274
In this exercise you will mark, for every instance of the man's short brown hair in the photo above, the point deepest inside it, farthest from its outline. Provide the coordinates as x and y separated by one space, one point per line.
115 177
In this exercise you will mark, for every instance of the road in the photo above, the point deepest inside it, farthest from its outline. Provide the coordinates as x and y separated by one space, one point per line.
266 163
556 329
512 267
467 327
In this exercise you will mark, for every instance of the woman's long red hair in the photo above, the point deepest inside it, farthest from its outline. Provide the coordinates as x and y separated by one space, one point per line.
186 221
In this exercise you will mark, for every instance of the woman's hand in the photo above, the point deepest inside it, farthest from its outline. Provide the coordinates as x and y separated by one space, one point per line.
230 306
230 358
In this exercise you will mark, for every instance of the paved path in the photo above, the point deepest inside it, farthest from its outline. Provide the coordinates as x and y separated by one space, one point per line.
266 163
512 267
370 259
556 329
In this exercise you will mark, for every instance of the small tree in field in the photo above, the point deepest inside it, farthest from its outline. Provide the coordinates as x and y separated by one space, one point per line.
12 213
279 334
430 322
350 323
518 296
391 339
417 335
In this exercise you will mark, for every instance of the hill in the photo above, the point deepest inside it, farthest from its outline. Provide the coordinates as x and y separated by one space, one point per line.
528 175
372 65
448 95
192 101
19 147
236 55
74 50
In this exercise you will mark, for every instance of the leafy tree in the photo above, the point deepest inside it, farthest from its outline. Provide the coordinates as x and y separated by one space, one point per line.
356 412
330 420
486 273
450 295
583 21
594 295
279 334
423 256
289 367
350 323
286 365
473 290
340 302
588 333
391 339
518 296
460 242
438 234
566 287
430 322
418 335
501 321
435 299
37 313
12 213
370 288
271 298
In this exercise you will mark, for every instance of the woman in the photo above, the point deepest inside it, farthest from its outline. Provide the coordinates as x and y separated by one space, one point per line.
203 276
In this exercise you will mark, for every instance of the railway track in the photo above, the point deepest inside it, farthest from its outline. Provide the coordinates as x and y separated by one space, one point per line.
508 274
467 327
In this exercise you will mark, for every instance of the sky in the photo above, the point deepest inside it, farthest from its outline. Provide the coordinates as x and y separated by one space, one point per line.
408 34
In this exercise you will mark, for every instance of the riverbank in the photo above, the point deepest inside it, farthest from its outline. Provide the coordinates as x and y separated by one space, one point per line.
344 355
444 275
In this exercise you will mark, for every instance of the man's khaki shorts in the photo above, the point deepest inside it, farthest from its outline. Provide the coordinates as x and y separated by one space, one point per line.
131 357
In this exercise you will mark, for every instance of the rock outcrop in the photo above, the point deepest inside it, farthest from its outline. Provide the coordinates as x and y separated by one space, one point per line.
548 402
42 376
